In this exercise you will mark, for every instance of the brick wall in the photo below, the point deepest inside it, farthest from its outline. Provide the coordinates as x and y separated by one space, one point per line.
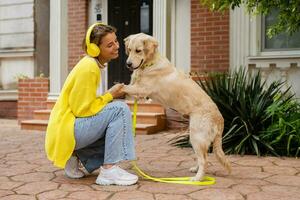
77 25
8 109
209 39
33 95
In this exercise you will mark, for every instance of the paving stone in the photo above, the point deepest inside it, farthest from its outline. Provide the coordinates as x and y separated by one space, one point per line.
65 198
167 188
223 182
285 180
20 197
74 187
288 162
216 194
280 190
280 170
17 169
61 178
257 182
36 187
171 197
53 194
4 193
246 189
33 177
46 168
7 184
89 195
249 172
254 161
163 166
132 195
16 162
267 196
114 188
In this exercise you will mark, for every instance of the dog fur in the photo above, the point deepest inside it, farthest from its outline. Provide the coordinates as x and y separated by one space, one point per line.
155 77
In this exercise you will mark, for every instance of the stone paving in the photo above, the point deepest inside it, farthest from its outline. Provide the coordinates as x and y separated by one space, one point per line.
25 173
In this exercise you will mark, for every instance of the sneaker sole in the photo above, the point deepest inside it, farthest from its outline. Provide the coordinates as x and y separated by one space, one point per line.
111 182
73 177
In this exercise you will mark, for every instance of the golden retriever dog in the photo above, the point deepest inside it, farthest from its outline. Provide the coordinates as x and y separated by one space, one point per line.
155 77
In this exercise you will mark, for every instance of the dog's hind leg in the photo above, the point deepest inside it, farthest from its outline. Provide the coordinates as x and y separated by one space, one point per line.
199 130
201 153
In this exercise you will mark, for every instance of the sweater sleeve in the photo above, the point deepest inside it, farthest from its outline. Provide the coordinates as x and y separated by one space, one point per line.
82 100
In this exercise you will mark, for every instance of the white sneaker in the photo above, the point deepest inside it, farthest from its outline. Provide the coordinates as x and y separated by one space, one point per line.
72 169
115 176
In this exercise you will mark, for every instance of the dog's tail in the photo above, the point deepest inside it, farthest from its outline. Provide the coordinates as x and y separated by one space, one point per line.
219 153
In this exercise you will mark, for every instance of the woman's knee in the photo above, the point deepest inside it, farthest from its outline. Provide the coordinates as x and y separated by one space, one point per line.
122 106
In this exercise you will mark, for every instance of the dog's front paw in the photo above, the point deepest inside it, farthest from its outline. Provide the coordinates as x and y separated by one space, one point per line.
194 169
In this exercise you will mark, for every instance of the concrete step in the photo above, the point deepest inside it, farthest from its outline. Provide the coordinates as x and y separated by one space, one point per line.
34 124
41 114
41 125
146 107
142 117
143 106
151 118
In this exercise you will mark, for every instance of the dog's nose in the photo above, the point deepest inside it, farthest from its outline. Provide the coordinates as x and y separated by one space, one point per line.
129 64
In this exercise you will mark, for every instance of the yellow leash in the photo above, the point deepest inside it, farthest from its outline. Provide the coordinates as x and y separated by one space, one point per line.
178 180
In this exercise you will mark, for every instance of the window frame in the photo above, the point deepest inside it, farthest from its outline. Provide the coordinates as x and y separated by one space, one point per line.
273 51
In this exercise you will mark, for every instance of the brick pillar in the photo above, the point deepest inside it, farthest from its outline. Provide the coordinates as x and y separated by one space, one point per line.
209 39
77 25
33 95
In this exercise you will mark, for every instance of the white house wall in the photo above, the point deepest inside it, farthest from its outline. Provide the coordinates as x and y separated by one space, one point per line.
182 34
245 50
16 41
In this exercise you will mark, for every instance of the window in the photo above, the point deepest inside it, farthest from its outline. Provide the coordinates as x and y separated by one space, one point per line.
146 16
280 42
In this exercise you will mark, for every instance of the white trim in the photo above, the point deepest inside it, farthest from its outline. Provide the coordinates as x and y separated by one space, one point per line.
17 53
52 96
8 95
183 35
173 31
58 45
239 37
159 24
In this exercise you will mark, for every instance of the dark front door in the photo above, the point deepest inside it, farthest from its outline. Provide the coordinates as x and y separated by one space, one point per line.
129 17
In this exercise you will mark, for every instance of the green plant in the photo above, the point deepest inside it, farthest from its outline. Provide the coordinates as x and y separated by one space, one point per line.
284 131
288 19
244 101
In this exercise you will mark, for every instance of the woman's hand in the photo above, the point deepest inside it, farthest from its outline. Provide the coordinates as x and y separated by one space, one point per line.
117 90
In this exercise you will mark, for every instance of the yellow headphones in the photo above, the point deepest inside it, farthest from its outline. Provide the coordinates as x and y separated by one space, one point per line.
92 49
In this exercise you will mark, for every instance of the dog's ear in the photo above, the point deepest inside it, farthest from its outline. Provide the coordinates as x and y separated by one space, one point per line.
126 42
150 46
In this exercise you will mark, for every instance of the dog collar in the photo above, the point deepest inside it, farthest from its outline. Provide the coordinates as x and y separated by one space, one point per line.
147 65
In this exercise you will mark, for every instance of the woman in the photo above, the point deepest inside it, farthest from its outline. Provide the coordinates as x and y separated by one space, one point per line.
89 126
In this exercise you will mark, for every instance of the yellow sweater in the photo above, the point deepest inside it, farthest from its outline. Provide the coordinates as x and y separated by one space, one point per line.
77 99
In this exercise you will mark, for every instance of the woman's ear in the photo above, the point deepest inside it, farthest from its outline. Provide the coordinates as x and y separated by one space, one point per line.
126 42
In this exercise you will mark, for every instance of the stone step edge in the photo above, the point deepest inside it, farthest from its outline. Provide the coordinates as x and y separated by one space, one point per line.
45 122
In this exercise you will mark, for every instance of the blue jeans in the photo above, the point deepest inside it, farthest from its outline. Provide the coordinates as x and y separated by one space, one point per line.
108 133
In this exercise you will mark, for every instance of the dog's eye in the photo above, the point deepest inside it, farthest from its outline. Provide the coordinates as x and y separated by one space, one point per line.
138 51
